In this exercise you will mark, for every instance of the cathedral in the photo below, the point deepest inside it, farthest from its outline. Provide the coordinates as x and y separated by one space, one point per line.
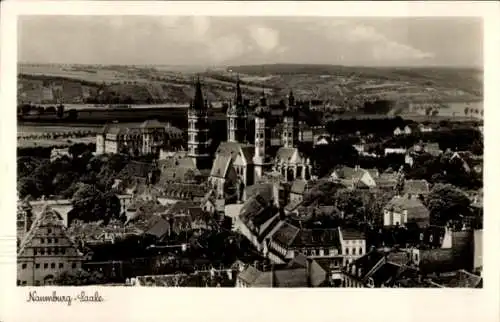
239 164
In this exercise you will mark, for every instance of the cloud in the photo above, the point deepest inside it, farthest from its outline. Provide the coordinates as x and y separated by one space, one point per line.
225 47
266 39
379 46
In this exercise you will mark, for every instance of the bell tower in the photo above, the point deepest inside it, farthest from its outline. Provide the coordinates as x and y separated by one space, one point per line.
237 115
198 129
262 138
289 136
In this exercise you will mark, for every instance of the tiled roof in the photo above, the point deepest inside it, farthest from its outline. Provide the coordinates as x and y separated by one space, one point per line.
298 186
159 228
352 234
265 190
291 236
286 234
417 212
348 173
221 165
460 278
151 124
249 274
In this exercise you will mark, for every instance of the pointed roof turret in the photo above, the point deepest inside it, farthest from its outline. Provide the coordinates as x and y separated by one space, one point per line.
291 99
263 99
198 102
238 98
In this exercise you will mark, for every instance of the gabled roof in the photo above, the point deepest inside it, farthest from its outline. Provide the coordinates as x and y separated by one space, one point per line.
249 274
151 124
221 166
265 190
47 217
416 187
285 154
417 212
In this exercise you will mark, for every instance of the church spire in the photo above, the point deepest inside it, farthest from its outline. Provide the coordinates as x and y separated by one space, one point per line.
238 99
263 100
198 102
291 99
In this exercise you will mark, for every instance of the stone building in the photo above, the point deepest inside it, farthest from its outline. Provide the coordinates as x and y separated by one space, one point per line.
46 250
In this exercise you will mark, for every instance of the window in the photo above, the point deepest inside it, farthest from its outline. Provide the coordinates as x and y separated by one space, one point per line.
35 251
45 265
360 251
37 265
49 240
347 251
61 265
53 265
42 240
23 266
55 240
42 251
24 283
354 251
49 251
73 265
18 282
49 231
326 252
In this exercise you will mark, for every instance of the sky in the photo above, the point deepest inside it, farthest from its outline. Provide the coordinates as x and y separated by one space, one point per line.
222 41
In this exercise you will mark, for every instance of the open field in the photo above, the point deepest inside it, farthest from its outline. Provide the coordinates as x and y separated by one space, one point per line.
148 85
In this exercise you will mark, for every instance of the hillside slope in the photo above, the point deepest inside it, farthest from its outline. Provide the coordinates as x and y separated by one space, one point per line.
336 84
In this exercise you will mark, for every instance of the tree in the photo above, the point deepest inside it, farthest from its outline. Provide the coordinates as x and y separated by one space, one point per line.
79 278
446 202
90 204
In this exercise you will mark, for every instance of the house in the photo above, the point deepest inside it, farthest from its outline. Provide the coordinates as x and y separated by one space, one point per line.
298 272
56 153
416 189
148 137
421 148
200 278
427 128
407 130
402 210
297 190
470 162
257 220
46 250
394 151
354 177
456 279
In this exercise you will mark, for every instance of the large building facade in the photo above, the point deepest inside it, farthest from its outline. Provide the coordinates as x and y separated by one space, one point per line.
149 137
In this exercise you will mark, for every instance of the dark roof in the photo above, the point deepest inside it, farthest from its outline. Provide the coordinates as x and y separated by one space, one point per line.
290 236
420 187
368 261
352 234
159 228
460 278
265 190
417 212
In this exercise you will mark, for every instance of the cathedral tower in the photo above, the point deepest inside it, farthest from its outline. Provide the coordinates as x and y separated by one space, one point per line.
198 129
290 134
237 115
262 138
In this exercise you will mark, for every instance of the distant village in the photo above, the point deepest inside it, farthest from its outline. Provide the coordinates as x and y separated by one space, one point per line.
282 201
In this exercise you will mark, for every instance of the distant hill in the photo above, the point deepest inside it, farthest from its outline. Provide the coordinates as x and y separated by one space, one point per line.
38 83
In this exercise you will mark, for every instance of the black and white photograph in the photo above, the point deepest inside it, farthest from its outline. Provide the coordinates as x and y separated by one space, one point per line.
250 151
